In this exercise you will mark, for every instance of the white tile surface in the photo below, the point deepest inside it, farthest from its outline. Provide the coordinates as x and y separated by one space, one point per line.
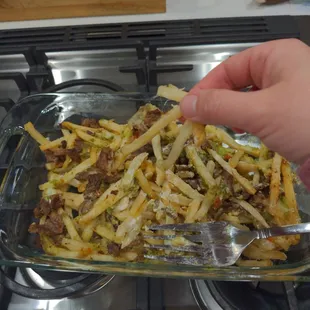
179 9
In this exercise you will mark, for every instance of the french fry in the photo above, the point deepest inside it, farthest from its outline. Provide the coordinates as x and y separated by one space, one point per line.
199 134
243 181
138 202
244 167
88 230
254 263
253 252
92 140
52 144
211 167
105 232
178 145
144 183
157 148
293 216
111 126
70 227
236 158
275 187
192 210
201 169
249 208
226 138
206 204
35 134
172 115
186 189
171 92
133 167
75 127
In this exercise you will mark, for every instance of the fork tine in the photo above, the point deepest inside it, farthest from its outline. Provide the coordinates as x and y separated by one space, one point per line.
190 248
177 259
178 227
194 238
163 237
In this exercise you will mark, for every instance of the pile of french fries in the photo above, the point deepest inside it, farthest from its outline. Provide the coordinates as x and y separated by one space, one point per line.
151 191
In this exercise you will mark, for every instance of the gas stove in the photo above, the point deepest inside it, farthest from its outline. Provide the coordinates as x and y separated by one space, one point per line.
133 57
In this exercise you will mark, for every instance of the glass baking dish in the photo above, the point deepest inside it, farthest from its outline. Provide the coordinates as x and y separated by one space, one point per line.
23 170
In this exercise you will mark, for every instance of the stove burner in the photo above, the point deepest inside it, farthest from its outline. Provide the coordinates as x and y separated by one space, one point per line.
83 82
218 295
51 280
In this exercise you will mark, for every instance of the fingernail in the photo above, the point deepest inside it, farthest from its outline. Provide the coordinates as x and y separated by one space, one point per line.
188 106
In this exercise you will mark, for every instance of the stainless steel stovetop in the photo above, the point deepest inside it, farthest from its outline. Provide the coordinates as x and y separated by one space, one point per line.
135 66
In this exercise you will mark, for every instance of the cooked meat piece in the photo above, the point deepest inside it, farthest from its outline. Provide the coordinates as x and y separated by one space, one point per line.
152 117
243 195
113 249
57 202
105 159
90 122
74 155
111 178
179 168
147 148
51 157
78 145
63 144
194 183
52 226
43 208
82 176
138 130
166 149
94 183
258 200
206 145
185 174
217 171
183 160
86 206
59 152
228 180
270 154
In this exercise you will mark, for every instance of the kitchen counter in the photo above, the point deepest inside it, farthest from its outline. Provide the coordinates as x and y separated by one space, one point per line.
177 10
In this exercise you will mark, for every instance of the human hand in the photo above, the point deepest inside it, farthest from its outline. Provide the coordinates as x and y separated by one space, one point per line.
278 113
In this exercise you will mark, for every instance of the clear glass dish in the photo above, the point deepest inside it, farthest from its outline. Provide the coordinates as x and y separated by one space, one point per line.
23 169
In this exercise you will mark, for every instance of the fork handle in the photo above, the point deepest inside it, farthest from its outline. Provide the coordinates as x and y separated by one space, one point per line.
283 231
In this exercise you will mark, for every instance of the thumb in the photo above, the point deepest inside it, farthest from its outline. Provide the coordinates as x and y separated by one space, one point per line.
227 107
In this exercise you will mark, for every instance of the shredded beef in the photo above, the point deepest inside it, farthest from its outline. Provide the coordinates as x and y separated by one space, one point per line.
53 158
74 155
194 183
82 176
52 226
90 133
152 117
229 181
78 145
90 122
206 145
113 249
94 183
63 144
105 159
139 129
45 207
112 178
59 152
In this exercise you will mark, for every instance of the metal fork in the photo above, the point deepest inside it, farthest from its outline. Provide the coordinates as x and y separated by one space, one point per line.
215 244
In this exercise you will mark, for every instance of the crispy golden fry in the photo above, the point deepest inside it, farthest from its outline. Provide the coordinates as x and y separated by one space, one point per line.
192 210
243 181
254 263
105 232
170 116
206 204
253 252
227 139
138 202
70 227
244 167
249 208
186 189
88 230
236 158
74 127
171 92
157 148
144 183
199 134
211 166
178 145
275 187
35 134
111 126
52 144
201 169
92 140
293 215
